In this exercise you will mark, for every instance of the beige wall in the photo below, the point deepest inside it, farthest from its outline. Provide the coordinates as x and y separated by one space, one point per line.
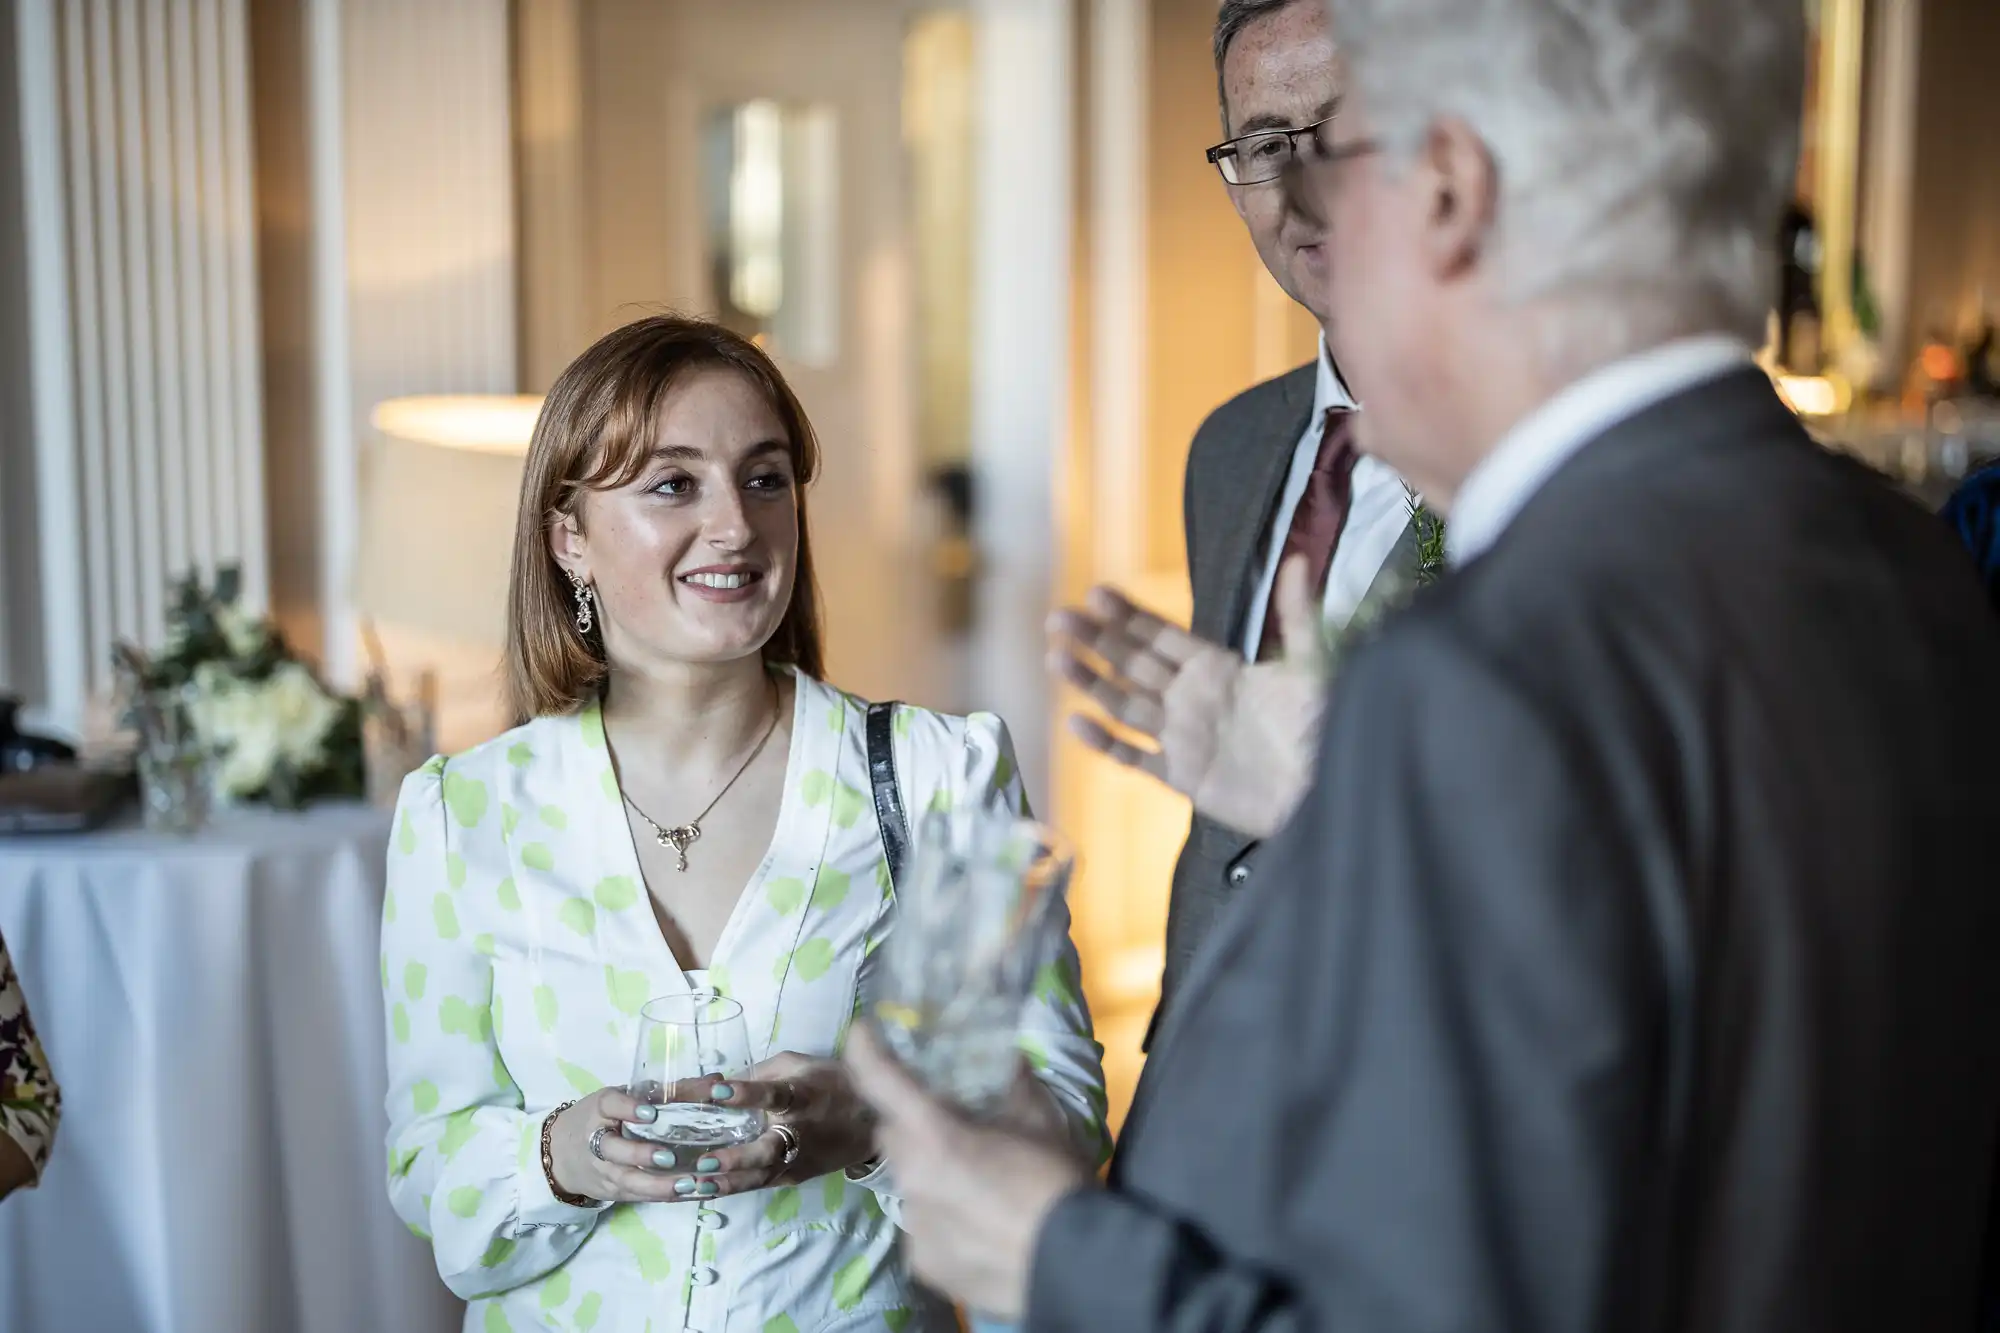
549 174
1201 300
285 296
940 136
1955 214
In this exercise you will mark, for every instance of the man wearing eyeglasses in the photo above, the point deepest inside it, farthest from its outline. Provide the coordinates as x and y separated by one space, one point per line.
1273 475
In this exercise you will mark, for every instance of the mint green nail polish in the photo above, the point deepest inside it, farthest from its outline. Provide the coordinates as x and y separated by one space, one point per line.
706 1189
684 1186
661 1157
721 1092
708 1164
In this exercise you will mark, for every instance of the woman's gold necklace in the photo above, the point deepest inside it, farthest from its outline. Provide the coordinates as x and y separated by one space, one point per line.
682 836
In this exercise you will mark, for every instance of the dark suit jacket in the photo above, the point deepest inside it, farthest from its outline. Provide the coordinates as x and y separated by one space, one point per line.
1235 477
1629 965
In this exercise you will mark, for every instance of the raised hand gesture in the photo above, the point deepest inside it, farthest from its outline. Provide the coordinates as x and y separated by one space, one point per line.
1235 738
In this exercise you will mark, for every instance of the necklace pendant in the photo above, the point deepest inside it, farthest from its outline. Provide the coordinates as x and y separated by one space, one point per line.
679 839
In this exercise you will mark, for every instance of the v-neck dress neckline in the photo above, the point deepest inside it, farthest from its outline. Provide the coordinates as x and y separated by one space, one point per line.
792 858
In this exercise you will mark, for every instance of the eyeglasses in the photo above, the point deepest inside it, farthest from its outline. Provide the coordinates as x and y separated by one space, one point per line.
1253 159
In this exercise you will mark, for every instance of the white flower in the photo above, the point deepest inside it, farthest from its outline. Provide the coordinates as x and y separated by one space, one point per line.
301 712
230 716
250 760
253 725
245 633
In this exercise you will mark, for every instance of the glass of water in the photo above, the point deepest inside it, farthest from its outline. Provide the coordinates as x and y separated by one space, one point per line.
975 920
176 762
686 1043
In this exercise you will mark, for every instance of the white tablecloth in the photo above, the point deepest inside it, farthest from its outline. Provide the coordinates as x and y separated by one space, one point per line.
212 1010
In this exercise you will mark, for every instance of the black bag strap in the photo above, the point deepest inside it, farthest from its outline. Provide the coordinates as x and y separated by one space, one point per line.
889 816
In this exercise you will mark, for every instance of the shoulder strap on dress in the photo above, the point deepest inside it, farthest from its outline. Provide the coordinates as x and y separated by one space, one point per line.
889 816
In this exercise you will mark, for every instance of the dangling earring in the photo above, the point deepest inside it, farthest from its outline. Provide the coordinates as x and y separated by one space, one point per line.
584 596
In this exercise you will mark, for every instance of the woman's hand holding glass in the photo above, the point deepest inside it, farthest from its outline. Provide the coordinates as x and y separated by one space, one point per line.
813 1100
804 1101
700 1122
595 1157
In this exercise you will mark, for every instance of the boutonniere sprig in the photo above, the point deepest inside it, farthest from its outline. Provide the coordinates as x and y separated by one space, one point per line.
1396 589
1430 539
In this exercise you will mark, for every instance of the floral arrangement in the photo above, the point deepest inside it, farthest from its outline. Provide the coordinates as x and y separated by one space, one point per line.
280 737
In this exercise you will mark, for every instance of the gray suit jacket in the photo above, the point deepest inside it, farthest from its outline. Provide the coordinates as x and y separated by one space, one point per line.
1235 477
1630 964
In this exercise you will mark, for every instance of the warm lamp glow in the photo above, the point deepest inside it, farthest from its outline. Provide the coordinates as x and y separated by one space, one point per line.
441 568
483 423
440 484
1940 363
1815 395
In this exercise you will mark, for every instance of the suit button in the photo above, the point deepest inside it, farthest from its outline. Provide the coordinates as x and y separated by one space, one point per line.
1238 874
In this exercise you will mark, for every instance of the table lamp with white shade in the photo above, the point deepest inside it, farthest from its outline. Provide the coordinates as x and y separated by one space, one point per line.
440 484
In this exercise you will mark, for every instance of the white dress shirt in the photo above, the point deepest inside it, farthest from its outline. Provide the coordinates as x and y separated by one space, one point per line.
1379 512
1541 442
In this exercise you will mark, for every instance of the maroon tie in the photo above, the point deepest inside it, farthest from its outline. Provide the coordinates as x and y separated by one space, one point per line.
1321 515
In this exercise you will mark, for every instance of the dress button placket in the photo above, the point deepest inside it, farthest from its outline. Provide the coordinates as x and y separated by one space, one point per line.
707 1296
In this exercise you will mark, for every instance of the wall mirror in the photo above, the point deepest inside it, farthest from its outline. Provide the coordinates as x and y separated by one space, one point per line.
770 173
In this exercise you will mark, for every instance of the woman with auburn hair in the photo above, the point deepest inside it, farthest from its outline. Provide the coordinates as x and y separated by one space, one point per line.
683 811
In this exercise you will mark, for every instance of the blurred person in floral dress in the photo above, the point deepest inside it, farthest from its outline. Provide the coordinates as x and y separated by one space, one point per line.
30 1101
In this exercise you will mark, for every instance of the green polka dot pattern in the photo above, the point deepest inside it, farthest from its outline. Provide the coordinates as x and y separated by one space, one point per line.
466 799
519 946
578 915
615 893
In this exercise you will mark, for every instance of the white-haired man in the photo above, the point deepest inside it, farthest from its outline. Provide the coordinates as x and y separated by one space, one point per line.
1628 964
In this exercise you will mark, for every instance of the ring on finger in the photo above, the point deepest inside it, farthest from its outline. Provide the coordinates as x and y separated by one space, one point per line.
789 1137
597 1143
783 1099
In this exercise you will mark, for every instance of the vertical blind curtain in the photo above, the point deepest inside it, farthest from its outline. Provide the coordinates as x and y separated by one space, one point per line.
147 289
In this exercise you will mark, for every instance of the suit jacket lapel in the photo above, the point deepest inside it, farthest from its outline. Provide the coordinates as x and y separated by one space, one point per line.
1241 546
1398 576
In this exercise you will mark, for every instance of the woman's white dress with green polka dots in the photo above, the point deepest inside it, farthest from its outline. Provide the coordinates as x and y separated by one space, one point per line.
518 946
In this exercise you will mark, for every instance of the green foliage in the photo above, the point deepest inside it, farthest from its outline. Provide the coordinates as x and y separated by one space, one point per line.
204 625
1430 541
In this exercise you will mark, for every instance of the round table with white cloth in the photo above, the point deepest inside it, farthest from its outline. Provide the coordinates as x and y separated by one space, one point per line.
212 1008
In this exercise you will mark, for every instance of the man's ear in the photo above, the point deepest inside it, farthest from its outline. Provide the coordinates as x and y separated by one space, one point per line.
1464 184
